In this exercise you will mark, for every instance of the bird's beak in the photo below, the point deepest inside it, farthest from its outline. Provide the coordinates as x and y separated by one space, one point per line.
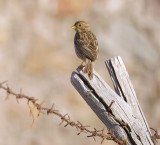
74 27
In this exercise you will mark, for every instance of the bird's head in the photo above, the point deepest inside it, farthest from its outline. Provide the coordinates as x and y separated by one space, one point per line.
81 26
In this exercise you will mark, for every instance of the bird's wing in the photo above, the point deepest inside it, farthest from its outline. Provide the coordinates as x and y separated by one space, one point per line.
89 45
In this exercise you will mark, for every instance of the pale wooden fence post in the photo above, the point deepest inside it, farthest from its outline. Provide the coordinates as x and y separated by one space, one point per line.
119 110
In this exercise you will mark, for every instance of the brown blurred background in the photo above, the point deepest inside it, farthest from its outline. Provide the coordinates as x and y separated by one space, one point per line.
37 55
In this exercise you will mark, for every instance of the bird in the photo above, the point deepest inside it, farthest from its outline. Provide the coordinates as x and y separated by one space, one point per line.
86 46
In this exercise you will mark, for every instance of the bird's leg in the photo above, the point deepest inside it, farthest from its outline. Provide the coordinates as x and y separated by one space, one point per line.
90 70
85 68
82 64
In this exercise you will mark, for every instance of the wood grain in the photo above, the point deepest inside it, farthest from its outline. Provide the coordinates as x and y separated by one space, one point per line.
124 117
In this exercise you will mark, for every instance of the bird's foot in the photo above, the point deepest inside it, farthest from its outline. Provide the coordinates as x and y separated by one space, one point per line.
81 67
84 69
90 75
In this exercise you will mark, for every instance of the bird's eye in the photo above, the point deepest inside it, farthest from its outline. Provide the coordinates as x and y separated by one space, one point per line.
79 25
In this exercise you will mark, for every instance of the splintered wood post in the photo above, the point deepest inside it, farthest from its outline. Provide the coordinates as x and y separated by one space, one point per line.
118 109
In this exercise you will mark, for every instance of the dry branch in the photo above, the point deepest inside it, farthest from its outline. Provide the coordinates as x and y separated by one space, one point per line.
119 110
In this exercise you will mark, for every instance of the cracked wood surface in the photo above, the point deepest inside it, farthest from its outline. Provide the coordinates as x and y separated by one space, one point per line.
124 117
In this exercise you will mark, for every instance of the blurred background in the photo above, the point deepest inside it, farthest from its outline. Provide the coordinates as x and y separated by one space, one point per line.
37 55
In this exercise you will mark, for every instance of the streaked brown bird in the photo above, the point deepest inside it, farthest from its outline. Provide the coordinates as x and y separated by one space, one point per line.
86 46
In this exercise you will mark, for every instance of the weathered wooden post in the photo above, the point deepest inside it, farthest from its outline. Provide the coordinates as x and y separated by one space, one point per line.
119 110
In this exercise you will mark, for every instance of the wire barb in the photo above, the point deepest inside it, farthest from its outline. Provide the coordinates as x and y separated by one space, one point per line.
31 101
155 136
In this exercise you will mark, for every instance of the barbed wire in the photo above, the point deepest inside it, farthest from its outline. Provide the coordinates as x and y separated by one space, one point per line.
155 136
65 119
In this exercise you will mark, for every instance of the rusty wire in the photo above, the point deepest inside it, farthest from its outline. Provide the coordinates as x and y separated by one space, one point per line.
65 119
